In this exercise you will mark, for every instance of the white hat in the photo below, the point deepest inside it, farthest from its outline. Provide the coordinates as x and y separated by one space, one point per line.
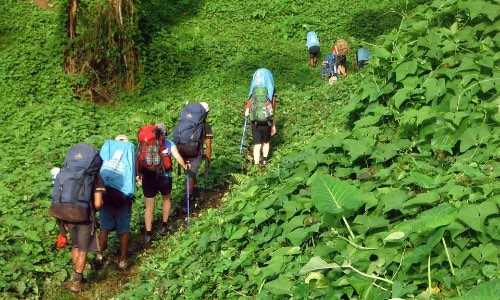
205 106
121 137
162 127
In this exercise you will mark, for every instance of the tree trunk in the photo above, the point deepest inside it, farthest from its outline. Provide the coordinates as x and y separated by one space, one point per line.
71 23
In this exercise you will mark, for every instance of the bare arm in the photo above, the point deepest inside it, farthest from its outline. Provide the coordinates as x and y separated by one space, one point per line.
247 107
208 149
273 128
178 157
98 200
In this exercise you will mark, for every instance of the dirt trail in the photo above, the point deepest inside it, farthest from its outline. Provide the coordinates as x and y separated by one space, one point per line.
110 280
43 4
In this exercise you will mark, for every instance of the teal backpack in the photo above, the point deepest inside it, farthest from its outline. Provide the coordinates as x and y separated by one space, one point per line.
262 108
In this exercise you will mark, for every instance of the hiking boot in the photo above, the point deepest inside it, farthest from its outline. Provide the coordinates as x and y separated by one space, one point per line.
147 240
78 286
122 264
97 263
263 163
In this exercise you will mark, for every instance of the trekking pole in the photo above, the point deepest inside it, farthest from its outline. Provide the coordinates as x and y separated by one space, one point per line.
244 133
187 194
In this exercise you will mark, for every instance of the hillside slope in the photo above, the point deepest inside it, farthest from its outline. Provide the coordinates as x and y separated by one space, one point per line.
378 187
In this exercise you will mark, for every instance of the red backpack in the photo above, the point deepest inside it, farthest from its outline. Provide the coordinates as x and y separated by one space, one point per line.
151 154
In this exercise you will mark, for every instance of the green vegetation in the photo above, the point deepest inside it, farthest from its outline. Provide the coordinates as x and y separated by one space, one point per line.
382 186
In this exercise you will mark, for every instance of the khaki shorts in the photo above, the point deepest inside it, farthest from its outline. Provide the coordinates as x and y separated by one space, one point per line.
82 236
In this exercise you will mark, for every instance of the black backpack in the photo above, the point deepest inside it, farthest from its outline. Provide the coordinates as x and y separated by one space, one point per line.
188 134
74 185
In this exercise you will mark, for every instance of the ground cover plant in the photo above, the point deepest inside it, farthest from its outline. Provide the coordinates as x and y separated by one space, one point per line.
385 185
412 208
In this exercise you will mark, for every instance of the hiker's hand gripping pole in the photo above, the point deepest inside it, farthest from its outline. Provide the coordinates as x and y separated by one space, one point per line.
244 134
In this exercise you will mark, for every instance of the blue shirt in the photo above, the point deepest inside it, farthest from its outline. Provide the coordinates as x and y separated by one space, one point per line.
312 39
169 144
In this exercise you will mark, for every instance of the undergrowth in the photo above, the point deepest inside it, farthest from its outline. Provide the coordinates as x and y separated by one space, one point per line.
382 185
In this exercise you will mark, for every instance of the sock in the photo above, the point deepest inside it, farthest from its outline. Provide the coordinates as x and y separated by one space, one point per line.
78 276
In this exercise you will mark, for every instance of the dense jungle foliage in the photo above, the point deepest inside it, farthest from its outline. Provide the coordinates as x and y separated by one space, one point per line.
383 185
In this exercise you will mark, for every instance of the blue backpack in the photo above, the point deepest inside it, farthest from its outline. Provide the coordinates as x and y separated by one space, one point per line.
118 168
188 133
74 185
329 66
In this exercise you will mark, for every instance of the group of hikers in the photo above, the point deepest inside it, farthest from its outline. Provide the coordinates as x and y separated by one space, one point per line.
335 63
103 182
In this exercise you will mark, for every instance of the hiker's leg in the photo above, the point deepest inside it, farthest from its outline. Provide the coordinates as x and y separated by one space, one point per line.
166 203
194 164
148 213
123 218
342 70
103 239
124 239
256 153
192 183
265 149
81 260
74 255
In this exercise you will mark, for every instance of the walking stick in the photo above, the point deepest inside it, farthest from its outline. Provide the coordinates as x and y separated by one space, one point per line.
243 136
187 194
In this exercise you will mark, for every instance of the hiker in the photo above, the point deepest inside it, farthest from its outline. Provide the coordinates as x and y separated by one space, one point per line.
193 137
159 180
341 50
260 108
329 68
118 173
79 176
312 44
362 57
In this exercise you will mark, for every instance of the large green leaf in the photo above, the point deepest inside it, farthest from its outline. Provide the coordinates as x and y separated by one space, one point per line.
421 252
434 88
371 222
474 215
357 148
384 152
474 136
330 195
485 291
299 235
400 97
486 253
422 180
428 220
316 263
406 68
367 121
437 216
423 198
280 286
393 200
263 214
474 7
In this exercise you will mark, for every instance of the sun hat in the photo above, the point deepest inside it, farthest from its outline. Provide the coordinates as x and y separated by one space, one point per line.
205 106
162 127
121 137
